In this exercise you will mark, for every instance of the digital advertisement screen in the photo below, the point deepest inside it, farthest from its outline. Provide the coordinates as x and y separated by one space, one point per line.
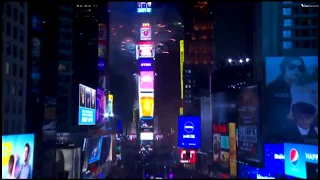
49 121
145 33
146 136
146 105
146 64
145 49
105 149
95 149
292 93
233 149
298 159
250 145
101 107
68 163
274 165
101 49
17 156
189 131
221 146
144 7
188 156
146 81
110 105
147 124
87 105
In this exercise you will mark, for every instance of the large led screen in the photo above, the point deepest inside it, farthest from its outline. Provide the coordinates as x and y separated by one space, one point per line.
250 145
189 131
17 156
221 146
101 107
145 49
273 168
299 160
146 64
292 97
146 81
110 105
144 7
87 105
146 105
145 33
146 136
147 124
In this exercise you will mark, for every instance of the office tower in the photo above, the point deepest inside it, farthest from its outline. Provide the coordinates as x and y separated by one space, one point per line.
291 30
198 56
14 63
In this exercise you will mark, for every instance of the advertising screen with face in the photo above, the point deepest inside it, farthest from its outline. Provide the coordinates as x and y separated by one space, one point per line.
146 105
189 131
146 81
87 105
221 146
292 97
17 156
145 49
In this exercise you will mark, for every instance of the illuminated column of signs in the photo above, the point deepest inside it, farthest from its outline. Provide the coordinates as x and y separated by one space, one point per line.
145 55
181 75
102 39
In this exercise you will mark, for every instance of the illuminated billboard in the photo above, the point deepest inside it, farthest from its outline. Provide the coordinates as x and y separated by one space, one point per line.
101 107
181 74
146 124
101 49
146 105
146 64
146 136
188 156
145 33
233 149
146 81
17 150
144 7
110 105
145 49
87 105
189 132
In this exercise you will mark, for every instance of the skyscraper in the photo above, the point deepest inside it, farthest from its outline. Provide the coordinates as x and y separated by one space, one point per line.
14 63
198 52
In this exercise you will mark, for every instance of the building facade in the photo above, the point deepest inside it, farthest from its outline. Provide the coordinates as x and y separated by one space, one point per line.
14 63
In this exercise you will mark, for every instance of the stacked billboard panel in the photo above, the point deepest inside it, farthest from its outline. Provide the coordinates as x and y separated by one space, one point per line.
87 105
145 55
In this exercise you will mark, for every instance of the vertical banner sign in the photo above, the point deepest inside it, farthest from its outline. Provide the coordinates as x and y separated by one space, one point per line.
233 149
110 105
181 74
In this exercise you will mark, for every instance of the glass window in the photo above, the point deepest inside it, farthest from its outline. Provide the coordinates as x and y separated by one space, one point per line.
20 72
287 11
14 70
8 29
15 51
8 9
7 106
21 36
286 33
287 22
15 14
7 68
14 107
15 32
8 49
13 89
8 87
21 54
20 91
287 45
3 25
20 107
21 18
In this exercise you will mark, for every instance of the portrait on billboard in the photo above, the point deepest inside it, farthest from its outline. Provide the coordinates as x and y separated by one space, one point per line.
292 97
93 99
216 147
146 105
88 98
82 97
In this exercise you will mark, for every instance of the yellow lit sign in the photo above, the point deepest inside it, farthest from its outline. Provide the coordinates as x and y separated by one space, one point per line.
181 111
110 104
6 152
145 24
181 66
146 104
233 149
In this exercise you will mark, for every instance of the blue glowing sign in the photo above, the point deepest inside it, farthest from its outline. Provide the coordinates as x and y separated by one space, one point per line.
189 131
87 105
297 155
144 7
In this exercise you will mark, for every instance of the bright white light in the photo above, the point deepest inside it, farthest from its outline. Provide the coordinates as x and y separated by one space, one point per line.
229 60
105 115
240 61
247 59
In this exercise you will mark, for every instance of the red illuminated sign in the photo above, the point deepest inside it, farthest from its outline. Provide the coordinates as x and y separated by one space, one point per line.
220 128
145 49
188 156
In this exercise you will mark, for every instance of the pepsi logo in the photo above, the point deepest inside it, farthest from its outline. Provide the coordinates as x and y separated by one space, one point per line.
294 157
188 127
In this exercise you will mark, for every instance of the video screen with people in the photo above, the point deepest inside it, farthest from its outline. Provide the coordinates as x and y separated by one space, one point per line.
17 156
292 97
87 105
95 149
